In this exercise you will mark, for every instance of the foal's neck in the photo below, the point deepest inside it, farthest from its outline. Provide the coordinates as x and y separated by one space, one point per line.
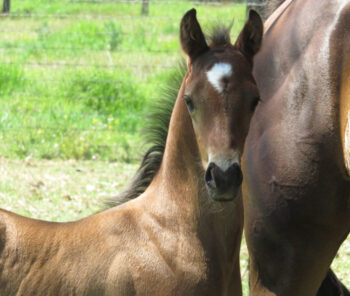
180 180
180 169
181 160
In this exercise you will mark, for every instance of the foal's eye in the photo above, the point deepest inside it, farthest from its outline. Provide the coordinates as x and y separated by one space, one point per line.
254 103
189 103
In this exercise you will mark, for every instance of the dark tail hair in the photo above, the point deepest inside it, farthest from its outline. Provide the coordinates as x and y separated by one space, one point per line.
332 286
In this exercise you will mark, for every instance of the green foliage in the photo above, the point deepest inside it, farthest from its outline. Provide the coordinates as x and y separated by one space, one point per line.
11 79
114 35
105 91
74 38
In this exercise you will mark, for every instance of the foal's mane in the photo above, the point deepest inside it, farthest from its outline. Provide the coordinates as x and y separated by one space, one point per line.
157 125
155 133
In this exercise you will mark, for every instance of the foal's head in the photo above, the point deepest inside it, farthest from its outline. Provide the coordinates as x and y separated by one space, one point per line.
221 95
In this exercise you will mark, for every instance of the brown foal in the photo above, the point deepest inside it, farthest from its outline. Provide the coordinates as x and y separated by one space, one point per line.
173 239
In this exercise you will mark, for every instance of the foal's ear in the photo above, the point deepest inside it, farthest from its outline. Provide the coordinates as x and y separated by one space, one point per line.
250 38
191 36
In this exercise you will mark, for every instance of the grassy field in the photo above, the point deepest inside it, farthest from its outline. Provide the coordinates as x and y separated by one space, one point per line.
76 79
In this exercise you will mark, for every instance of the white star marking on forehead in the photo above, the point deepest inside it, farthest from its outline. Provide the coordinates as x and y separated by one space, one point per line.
217 73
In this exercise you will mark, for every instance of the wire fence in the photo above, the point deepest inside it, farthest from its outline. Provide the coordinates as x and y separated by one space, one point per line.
90 16
166 2
75 66
89 65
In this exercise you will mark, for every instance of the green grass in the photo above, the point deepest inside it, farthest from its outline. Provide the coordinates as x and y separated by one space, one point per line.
80 86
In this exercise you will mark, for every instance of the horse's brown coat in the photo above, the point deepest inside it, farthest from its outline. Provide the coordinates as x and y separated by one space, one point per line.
297 190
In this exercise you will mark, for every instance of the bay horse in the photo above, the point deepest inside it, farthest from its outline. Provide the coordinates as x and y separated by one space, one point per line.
296 189
173 239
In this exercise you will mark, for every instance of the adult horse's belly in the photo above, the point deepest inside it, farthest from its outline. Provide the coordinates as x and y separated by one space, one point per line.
295 199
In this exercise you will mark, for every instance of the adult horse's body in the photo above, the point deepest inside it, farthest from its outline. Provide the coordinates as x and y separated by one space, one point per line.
297 153
173 239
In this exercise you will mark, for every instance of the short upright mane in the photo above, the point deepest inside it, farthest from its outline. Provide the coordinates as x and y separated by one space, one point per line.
156 130
219 36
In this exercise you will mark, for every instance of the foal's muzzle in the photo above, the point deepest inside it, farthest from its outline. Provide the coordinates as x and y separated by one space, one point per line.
223 185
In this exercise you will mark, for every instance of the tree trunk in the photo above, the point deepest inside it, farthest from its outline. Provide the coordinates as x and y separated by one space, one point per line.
145 7
6 6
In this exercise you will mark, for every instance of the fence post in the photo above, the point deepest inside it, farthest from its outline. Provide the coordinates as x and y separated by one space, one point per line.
145 7
6 6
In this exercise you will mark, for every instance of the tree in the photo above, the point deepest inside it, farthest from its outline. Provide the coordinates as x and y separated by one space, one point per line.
145 7
6 6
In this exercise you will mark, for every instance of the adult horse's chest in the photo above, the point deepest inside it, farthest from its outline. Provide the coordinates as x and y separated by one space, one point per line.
291 157
293 146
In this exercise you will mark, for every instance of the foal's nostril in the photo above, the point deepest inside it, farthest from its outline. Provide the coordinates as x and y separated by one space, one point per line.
210 176
235 174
